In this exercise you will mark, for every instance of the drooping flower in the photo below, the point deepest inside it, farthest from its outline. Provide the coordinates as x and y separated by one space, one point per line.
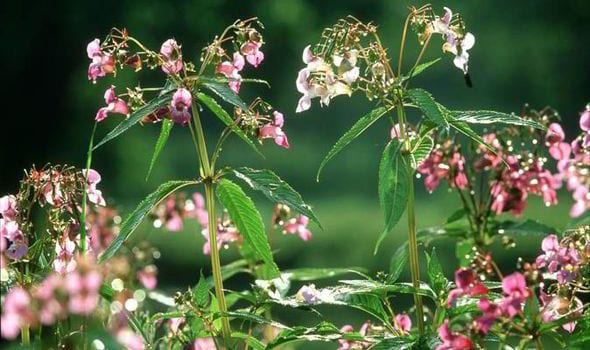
346 344
181 103
114 105
516 291
403 323
452 340
82 286
172 56
203 344
8 208
308 294
94 194
298 226
274 130
491 312
231 70
15 313
467 284
251 50
101 64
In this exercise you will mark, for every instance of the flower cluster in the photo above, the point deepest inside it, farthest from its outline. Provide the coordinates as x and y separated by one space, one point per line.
76 292
350 344
573 161
457 41
444 162
289 224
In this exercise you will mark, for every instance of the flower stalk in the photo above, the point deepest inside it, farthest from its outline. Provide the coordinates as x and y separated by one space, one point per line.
207 173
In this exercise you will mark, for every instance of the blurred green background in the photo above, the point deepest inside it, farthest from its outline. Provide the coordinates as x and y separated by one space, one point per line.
532 52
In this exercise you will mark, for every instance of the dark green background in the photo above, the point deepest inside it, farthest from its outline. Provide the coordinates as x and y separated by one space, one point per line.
526 52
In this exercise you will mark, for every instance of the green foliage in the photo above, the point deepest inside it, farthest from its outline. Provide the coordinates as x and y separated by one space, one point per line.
493 117
220 113
436 276
275 189
244 214
167 125
137 216
424 100
201 292
358 128
399 343
222 90
314 274
421 148
397 264
421 68
393 187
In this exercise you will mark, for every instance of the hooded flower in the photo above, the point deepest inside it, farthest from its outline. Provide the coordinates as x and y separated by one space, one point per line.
101 64
231 70
172 56
181 103
114 105
274 130
467 284
452 340
516 291
299 226
251 50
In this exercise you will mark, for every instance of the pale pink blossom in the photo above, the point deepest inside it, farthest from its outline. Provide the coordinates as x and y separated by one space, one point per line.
114 105
94 194
452 340
15 313
403 323
274 130
181 103
203 344
148 276
101 64
171 54
298 226
251 50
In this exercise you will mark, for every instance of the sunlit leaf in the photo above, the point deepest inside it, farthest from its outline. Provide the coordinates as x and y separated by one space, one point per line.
493 117
421 148
358 128
275 189
137 216
222 90
424 100
247 219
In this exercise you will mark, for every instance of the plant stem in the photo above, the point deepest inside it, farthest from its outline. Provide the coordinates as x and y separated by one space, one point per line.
25 336
412 240
85 194
207 173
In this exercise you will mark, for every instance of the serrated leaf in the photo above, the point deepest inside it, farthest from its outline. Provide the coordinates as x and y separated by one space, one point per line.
358 128
493 117
137 216
275 189
222 90
436 275
249 339
464 128
243 213
167 125
524 228
393 187
421 148
397 264
424 100
137 115
398 343
201 292
220 113
314 274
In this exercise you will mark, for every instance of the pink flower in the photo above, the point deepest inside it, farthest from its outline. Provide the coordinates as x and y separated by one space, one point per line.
403 323
555 134
114 105
231 71
94 195
148 276
203 344
17 242
101 64
346 344
129 339
51 308
198 210
466 282
181 103
514 286
82 286
15 313
585 120
308 294
491 311
172 56
274 130
451 340
8 208
395 132
299 226
64 256
252 52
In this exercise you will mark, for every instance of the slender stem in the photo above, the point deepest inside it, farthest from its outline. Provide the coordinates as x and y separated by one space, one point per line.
207 172
85 194
25 336
412 239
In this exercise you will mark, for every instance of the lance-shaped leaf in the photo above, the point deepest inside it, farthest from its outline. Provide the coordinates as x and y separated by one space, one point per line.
313 274
358 128
243 213
424 100
493 117
393 187
421 68
222 90
137 216
160 143
220 113
397 264
421 148
137 115
275 189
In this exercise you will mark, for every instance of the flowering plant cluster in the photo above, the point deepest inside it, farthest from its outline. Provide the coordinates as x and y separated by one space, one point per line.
70 278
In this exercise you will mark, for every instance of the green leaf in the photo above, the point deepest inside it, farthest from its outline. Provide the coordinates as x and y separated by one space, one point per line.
275 189
457 215
222 90
393 187
464 128
398 262
493 117
436 275
424 100
220 113
421 68
137 115
358 128
242 211
421 148
201 292
137 216
465 252
313 274
524 228
167 125
398 343
249 339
